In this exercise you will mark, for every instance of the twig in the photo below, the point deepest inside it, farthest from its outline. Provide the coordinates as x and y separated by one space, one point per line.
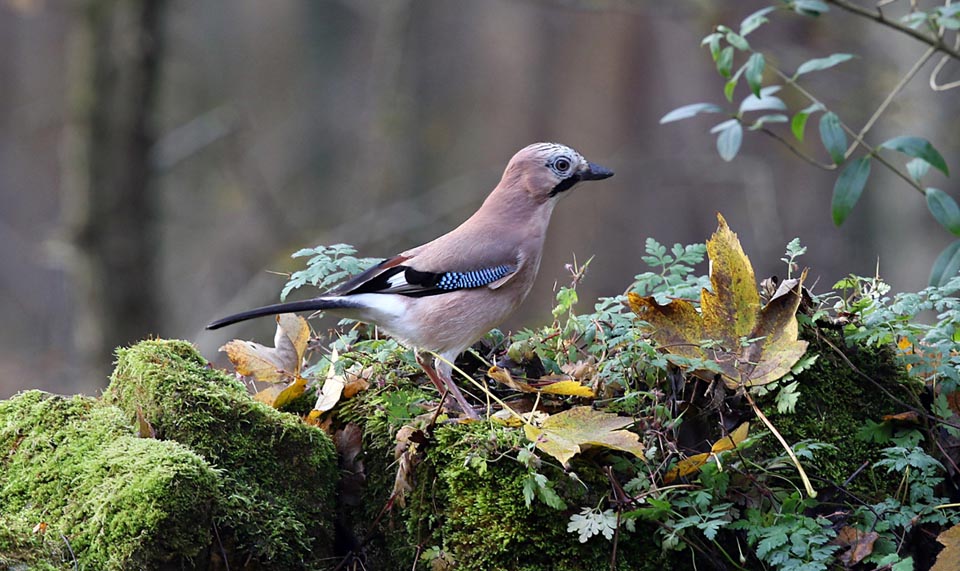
934 42
893 93
223 552
797 151
870 150
939 67
73 556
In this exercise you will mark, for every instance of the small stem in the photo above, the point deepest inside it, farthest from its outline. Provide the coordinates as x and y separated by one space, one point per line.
796 462
870 150
934 42
797 151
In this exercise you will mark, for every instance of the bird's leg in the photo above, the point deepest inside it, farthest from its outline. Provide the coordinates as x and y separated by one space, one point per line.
445 383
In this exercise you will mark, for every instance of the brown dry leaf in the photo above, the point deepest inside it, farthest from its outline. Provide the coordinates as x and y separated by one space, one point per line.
948 558
40 528
349 444
859 544
144 429
277 395
407 453
909 416
752 345
549 384
693 463
567 433
357 382
507 418
277 364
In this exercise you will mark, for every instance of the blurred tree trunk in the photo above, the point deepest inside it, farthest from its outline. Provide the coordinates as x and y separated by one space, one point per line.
109 203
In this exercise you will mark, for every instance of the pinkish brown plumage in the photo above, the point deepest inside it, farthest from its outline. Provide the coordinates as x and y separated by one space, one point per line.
446 294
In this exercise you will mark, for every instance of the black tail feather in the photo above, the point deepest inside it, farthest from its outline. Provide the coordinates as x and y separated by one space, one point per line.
315 304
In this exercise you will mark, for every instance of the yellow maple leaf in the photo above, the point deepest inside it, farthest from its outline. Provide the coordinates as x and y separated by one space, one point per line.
567 433
751 344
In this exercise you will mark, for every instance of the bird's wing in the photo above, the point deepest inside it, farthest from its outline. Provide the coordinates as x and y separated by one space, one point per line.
395 277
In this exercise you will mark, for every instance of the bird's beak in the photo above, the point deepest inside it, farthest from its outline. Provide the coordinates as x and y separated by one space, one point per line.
595 172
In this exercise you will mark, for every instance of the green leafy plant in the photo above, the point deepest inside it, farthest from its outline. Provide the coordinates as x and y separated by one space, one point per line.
761 108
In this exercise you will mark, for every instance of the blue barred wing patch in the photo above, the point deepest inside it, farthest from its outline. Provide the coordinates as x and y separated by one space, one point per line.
463 280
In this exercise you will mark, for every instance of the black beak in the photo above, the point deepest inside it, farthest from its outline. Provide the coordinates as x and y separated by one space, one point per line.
595 172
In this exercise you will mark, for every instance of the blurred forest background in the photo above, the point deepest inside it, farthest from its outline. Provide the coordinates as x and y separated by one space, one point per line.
159 159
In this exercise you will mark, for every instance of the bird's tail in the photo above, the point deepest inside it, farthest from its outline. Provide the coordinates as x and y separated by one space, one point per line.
315 304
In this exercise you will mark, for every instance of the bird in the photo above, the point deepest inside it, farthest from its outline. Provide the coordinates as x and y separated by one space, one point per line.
443 296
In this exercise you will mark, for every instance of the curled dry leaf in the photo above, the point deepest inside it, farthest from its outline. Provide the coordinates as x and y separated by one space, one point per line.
332 386
565 434
277 396
692 464
349 444
277 364
859 544
410 441
752 345
549 384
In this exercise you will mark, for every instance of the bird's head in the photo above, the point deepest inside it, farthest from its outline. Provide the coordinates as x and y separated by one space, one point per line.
548 170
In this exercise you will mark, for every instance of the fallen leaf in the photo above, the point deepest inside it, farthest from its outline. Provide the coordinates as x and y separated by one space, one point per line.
692 464
407 453
859 544
948 558
349 444
144 429
909 416
357 382
751 345
40 528
278 364
507 418
277 395
549 384
565 434
332 386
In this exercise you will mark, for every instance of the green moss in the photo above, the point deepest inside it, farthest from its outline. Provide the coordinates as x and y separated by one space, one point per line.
278 475
835 402
468 501
116 501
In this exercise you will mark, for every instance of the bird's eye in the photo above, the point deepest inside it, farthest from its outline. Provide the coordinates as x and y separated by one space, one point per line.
562 164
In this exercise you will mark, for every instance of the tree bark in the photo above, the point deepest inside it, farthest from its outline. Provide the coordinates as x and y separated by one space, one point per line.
110 205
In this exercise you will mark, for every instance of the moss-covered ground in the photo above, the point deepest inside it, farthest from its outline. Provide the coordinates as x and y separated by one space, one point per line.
224 482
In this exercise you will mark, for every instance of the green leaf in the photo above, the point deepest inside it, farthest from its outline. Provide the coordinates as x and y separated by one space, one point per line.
732 83
766 100
819 64
773 118
848 188
947 265
755 20
725 61
713 40
810 7
728 142
737 41
833 137
688 111
944 208
914 19
798 124
917 147
917 168
754 72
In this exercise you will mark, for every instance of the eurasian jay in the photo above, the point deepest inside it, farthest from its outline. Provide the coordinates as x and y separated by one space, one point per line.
445 295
